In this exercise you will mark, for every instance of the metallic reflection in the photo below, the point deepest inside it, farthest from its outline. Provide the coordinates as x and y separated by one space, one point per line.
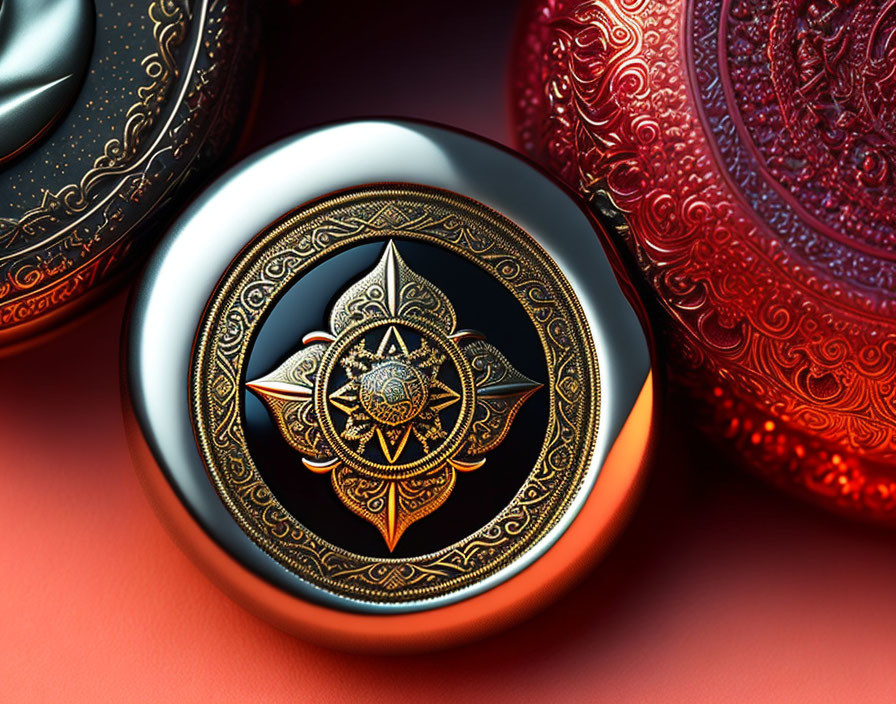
186 268
45 48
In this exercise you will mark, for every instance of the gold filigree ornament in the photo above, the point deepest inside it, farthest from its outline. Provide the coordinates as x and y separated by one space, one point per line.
414 412
394 400
167 87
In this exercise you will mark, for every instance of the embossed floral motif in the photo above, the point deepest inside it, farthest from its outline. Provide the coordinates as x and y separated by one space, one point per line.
442 220
393 401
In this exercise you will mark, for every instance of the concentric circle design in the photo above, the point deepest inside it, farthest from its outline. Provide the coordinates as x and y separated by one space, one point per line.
116 121
807 135
330 414
392 353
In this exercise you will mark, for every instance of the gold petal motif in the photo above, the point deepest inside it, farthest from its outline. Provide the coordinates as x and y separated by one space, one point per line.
392 506
392 290
500 392
288 392
393 396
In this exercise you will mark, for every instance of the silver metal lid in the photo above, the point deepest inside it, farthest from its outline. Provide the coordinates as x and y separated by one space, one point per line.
311 308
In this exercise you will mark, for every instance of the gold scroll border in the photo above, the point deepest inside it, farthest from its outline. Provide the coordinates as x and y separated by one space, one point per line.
285 251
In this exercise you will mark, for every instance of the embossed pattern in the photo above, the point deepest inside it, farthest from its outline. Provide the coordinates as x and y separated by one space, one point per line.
461 226
381 432
749 170
79 234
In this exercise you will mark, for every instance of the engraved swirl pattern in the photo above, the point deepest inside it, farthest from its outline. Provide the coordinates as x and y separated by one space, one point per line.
284 253
750 172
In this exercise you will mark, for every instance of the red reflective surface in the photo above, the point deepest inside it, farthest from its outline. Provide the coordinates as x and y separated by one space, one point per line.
748 150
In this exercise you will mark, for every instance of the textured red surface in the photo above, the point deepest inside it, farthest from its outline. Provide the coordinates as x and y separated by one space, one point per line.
747 147
720 590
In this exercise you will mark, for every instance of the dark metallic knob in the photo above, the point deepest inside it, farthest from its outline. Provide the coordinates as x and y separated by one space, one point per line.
110 112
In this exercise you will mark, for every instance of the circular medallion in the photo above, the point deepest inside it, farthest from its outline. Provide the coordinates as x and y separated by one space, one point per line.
392 392
374 386
392 403
419 401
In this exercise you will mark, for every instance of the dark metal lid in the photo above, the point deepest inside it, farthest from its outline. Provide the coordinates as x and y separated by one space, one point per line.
109 109
385 369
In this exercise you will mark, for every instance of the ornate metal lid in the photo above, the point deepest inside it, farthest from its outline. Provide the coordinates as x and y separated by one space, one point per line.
382 366
109 110
745 153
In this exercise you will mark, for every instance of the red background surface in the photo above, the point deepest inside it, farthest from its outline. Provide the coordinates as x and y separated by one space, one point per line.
720 589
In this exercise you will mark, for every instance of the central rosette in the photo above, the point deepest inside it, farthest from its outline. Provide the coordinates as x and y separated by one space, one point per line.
394 400
393 392
390 398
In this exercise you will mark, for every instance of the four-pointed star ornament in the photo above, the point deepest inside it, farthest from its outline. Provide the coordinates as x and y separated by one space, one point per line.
393 401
